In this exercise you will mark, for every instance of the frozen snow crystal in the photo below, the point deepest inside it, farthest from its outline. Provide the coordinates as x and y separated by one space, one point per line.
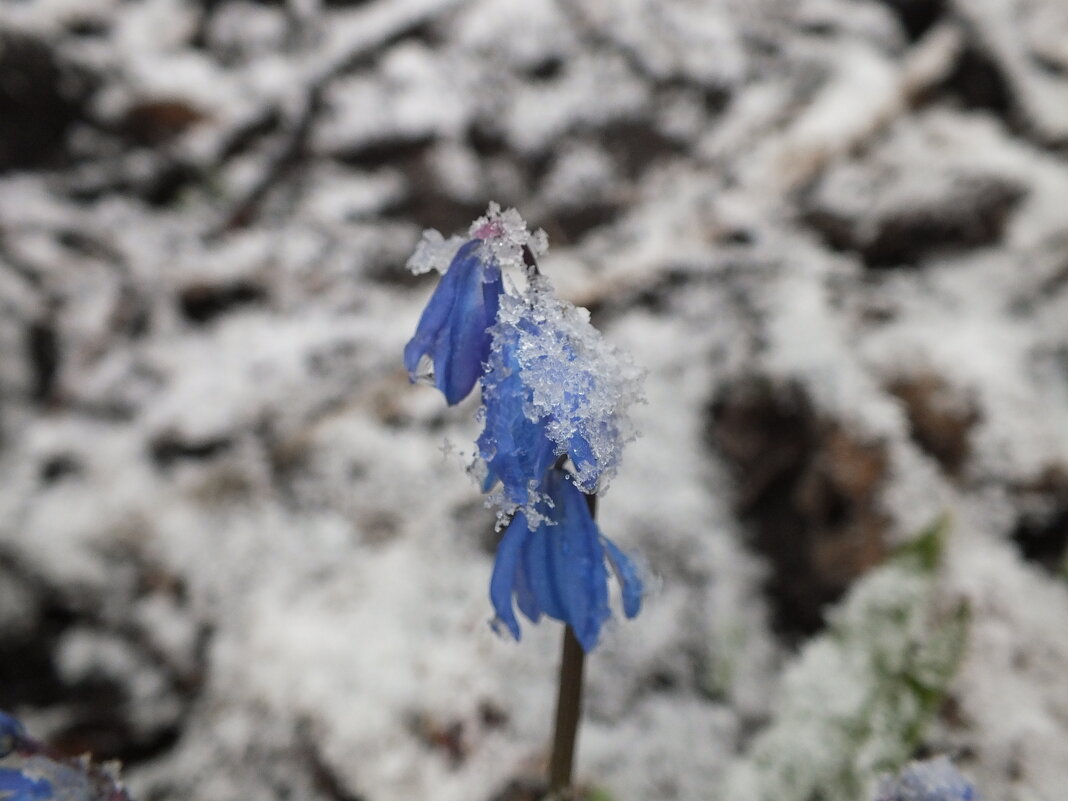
434 252
505 233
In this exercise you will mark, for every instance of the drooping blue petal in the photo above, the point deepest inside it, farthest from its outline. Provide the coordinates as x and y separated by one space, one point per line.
541 573
453 331
557 568
524 596
15 786
629 579
505 568
584 584
579 562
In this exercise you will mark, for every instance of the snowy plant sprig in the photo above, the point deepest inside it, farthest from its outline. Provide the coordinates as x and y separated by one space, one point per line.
555 400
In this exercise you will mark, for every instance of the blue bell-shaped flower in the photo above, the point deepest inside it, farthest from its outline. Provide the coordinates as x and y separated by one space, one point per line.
452 340
557 567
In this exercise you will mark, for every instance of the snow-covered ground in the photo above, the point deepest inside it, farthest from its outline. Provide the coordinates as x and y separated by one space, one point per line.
238 549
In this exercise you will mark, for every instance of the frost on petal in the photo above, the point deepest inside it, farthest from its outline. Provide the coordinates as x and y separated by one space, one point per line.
505 234
582 385
515 449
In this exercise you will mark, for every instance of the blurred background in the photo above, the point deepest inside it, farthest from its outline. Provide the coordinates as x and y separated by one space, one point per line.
238 550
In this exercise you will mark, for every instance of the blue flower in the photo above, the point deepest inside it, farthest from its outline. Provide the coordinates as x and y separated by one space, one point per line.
516 450
14 786
932 780
453 335
557 567
11 734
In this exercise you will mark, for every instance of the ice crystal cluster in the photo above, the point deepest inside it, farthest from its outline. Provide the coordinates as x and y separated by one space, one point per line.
578 383
30 771
554 409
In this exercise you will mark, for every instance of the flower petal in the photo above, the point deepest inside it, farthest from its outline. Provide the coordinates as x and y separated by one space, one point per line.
11 732
16 786
453 330
541 572
579 563
524 596
505 569
558 567
629 579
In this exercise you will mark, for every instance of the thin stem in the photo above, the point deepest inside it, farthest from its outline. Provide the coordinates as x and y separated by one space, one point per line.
568 704
568 712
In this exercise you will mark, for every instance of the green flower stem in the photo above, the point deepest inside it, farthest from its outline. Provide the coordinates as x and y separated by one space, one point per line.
568 705
568 712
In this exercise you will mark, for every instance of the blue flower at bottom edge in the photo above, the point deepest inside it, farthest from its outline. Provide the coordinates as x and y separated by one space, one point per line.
453 331
11 734
558 568
932 780
14 786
